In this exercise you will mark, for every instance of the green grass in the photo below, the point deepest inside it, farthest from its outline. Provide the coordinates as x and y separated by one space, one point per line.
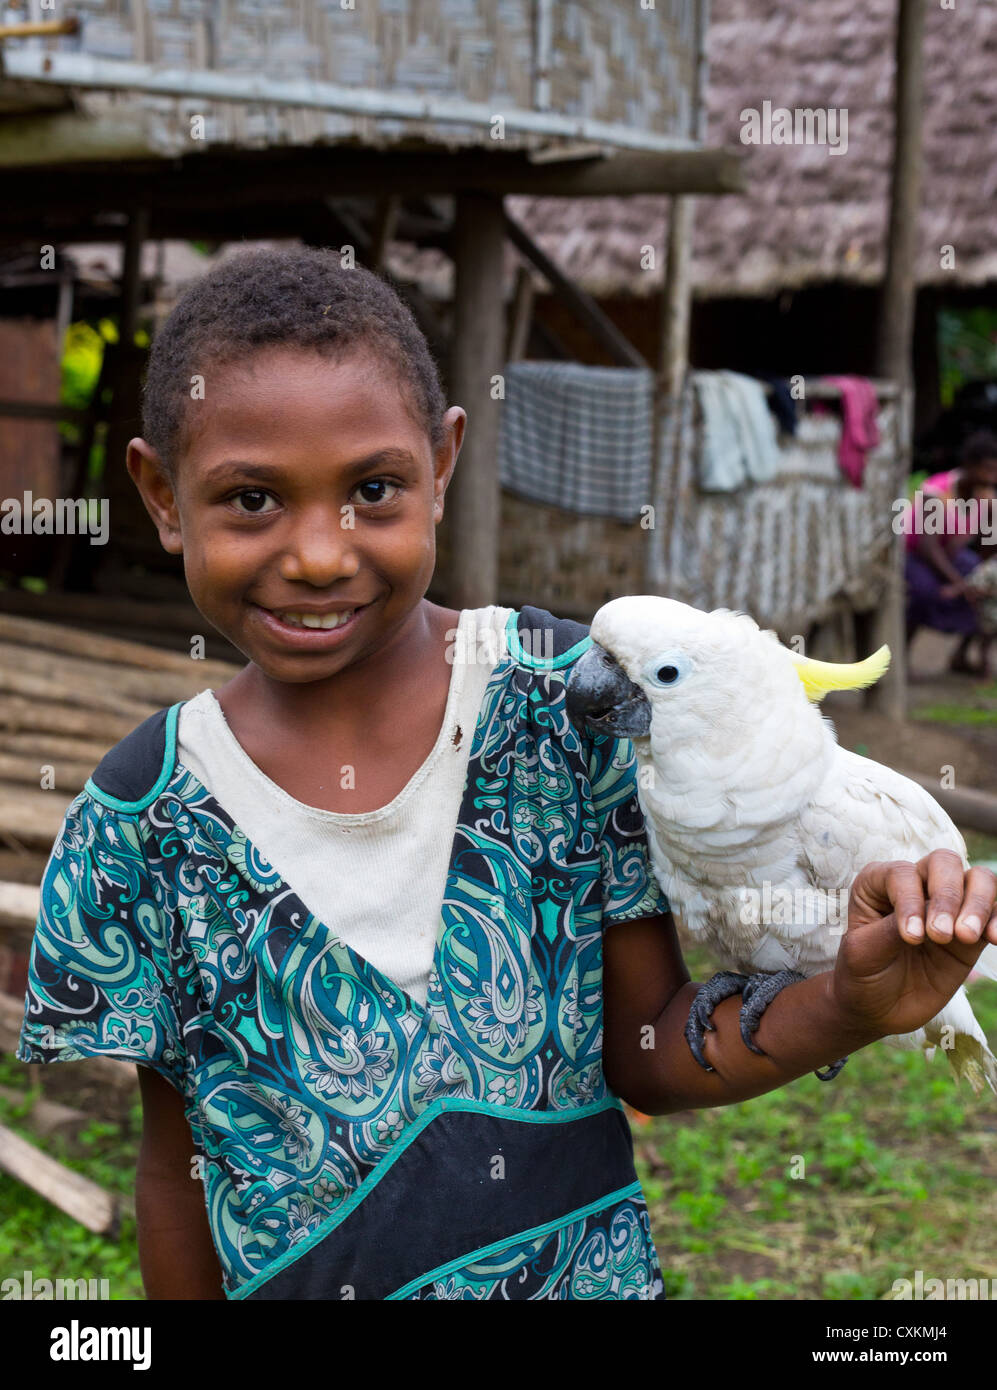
37 1236
827 1190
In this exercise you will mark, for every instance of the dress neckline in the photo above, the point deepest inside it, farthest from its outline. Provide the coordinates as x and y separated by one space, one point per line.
267 785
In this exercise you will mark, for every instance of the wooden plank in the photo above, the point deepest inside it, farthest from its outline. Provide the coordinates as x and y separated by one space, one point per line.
47 1116
71 1192
30 820
69 774
19 904
47 687
522 316
61 725
96 647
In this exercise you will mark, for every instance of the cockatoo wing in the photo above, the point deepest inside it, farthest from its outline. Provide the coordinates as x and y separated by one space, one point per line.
864 812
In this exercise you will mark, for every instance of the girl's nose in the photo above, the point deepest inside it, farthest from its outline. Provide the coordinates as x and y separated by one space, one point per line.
320 551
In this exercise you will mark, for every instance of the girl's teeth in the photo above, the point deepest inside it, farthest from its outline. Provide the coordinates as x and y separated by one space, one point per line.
323 620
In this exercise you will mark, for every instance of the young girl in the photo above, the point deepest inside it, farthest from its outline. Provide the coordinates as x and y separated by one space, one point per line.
375 919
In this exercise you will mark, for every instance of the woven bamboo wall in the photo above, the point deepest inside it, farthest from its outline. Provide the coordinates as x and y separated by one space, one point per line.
790 552
607 60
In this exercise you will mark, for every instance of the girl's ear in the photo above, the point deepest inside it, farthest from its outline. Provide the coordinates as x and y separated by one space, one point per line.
445 459
152 480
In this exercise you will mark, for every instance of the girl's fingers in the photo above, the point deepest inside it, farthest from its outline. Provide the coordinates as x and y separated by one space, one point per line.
946 880
977 904
901 885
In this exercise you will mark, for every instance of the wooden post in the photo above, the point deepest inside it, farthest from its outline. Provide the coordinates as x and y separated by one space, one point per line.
673 362
896 329
132 530
474 497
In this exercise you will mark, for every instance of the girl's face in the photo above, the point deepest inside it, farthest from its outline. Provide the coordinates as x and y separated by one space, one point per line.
307 488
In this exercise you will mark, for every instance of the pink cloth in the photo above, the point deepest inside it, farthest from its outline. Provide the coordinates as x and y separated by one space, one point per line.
939 485
859 430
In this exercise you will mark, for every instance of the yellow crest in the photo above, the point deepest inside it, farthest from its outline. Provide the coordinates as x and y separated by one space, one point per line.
819 677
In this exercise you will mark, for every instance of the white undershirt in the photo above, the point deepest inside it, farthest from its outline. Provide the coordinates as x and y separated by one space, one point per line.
375 878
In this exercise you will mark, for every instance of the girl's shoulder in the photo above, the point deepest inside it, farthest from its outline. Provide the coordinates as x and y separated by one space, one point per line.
133 773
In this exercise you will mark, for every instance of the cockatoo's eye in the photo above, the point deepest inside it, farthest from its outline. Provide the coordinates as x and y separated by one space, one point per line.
667 668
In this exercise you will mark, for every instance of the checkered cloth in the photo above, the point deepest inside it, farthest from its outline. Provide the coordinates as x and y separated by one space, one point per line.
578 437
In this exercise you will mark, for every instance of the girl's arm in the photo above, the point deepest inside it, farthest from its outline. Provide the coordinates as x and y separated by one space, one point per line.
898 964
647 994
935 550
176 1252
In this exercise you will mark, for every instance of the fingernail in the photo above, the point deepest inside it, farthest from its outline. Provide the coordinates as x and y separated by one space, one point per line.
943 924
915 927
972 924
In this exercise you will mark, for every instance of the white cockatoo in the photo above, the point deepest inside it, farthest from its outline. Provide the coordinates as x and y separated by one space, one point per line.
757 821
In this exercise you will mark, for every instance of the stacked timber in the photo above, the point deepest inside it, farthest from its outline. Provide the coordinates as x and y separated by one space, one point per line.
67 695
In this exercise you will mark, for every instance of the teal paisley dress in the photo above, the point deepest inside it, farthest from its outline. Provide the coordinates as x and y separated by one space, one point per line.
352 1143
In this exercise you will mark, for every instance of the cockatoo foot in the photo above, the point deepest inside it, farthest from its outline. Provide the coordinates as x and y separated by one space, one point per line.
719 987
757 995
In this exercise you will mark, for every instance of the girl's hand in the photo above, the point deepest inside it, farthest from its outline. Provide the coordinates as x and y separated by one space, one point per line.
954 589
898 965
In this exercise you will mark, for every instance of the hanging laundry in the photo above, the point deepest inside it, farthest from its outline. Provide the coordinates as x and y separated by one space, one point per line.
859 427
738 440
578 437
782 402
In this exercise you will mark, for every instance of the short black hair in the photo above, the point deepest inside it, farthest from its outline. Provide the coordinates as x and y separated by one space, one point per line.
300 297
980 447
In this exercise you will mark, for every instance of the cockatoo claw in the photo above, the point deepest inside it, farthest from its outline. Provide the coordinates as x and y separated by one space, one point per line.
831 1070
719 987
757 995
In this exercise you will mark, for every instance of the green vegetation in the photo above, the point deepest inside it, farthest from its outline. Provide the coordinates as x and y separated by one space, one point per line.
898 1174
36 1236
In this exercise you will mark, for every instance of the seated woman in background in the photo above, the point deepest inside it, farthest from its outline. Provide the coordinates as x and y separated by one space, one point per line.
940 591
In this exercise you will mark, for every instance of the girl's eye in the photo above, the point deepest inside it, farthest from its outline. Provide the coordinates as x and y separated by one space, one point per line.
378 483
253 500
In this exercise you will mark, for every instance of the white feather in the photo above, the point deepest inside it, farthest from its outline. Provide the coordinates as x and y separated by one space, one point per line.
743 785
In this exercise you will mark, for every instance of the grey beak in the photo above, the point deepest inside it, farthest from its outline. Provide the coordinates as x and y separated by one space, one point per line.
602 698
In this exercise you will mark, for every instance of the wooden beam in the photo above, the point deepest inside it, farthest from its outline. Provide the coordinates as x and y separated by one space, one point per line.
896 318
474 498
71 1192
896 329
522 316
673 363
385 226
248 178
584 307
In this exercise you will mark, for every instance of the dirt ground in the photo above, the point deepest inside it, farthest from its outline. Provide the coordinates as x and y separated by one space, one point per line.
926 745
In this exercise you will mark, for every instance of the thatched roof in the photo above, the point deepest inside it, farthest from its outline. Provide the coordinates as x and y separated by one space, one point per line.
810 216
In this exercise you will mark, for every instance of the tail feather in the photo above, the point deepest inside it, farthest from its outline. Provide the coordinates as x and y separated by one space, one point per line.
973 1061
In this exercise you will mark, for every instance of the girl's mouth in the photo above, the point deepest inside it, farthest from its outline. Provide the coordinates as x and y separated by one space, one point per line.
310 631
